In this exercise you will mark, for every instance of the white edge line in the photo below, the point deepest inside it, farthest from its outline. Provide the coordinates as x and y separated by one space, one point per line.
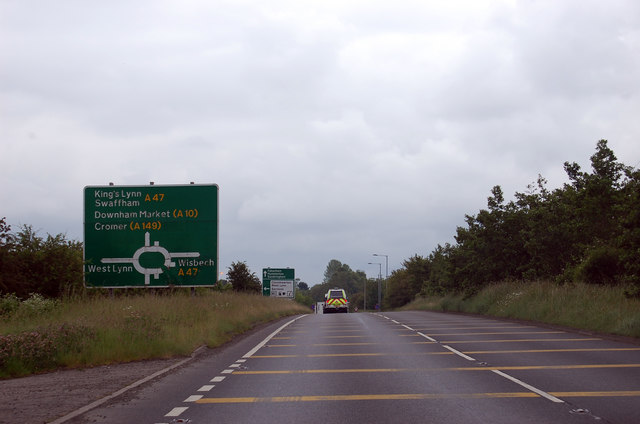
105 399
529 387
408 328
269 337
457 352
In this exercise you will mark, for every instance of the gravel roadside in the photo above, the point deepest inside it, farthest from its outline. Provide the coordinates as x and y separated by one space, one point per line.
46 397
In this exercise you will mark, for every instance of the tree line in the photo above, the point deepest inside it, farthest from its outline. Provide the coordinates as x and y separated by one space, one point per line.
52 266
588 230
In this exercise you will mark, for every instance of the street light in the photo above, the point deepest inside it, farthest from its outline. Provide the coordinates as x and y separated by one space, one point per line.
379 283
386 278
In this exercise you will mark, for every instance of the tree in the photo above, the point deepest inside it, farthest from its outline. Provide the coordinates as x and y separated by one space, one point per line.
339 275
303 286
334 266
7 262
242 279
6 238
29 263
588 230
407 282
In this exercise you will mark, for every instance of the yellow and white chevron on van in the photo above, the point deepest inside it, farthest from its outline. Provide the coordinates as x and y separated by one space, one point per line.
335 301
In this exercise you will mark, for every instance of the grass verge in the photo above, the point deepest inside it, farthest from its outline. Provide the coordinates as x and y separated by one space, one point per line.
580 306
99 330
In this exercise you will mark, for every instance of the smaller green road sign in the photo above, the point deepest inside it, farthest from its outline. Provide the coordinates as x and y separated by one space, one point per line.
151 236
278 282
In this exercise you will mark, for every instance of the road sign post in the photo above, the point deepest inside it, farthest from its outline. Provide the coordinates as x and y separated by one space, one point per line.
151 236
278 282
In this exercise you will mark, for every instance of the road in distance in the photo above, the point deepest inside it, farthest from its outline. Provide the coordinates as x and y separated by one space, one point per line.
409 367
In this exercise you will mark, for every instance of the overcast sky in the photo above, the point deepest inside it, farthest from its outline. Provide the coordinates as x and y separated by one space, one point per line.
334 129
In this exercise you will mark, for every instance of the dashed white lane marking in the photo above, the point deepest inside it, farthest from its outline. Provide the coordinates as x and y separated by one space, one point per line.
105 399
431 339
498 372
527 386
175 412
457 352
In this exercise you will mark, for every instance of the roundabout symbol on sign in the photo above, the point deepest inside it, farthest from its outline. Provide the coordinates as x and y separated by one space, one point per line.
147 248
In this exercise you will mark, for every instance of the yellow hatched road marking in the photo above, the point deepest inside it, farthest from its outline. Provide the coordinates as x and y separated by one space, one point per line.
445 342
381 370
495 333
341 337
472 328
565 367
320 371
340 327
321 337
519 340
598 394
477 352
332 355
409 396
359 330
365 344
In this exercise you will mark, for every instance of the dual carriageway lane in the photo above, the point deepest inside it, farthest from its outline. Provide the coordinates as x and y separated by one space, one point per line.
415 367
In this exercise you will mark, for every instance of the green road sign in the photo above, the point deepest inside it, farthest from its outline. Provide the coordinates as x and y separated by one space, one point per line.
278 282
151 236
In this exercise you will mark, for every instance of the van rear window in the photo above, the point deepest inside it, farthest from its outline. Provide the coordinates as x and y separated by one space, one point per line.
333 294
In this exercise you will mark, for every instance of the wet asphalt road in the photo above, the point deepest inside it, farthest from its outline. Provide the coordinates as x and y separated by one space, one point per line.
391 367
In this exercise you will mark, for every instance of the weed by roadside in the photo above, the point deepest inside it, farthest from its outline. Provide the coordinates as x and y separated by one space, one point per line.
41 349
38 334
12 308
581 306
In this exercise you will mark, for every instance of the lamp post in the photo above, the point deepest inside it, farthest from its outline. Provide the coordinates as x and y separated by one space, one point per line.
364 306
386 260
379 283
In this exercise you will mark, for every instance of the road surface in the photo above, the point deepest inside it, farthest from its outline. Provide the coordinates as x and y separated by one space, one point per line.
396 367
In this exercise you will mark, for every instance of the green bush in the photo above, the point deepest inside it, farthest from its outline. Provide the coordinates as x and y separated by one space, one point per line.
29 263
601 266
9 304
36 304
